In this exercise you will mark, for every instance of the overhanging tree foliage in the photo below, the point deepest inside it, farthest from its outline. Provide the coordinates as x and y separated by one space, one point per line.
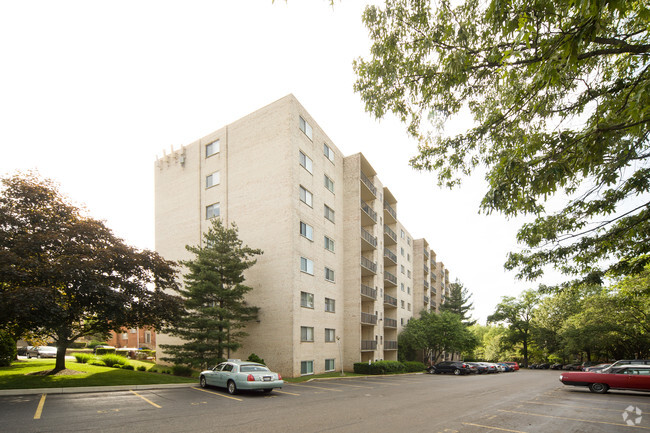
214 295
559 91
64 275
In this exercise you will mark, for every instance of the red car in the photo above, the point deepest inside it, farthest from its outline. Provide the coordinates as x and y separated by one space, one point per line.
633 377
514 365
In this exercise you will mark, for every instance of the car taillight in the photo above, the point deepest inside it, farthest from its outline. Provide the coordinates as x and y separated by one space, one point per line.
279 376
250 378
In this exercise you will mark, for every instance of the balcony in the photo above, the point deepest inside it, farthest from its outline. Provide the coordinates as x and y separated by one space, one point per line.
370 240
368 319
390 214
426 299
390 278
390 345
368 216
433 277
390 255
368 345
389 300
370 191
433 265
368 267
390 237
368 292
390 323
426 284
434 292
426 269
426 254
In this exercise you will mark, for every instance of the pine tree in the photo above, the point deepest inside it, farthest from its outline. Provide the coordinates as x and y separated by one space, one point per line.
214 299
458 302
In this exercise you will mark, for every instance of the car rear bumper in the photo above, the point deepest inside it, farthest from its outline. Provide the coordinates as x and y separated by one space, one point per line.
260 385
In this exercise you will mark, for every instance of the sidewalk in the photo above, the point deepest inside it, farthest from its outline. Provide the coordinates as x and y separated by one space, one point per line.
83 389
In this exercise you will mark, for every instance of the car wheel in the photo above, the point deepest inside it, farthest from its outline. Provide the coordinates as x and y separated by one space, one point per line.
203 383
457 372
598 388
268 390
232 388
431 370
29 356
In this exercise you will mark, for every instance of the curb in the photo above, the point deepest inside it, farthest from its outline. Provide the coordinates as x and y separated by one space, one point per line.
84 389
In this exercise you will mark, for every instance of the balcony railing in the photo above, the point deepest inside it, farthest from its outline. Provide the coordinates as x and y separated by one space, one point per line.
368 264
390 345
390 300
390 277
390 233
367 209
434 292
391 255
367 182
368 345
426 284
433 277
390 323
369 319
365 235
368 291
426 269
426 299
390 210
426 253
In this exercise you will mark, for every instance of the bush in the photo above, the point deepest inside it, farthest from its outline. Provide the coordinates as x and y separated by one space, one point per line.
105 351
152 370
127 367
148 353
254 358
97 362
142 368
83 358
379 367
111 360
414 366
92 344
182 370
8 349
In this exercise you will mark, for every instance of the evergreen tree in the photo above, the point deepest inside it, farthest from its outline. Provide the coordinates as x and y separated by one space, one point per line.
214 299
458 302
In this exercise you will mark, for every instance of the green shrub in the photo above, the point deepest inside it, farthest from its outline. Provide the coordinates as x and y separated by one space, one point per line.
122 352
92 344
142 368
111 360
379 367
182 370
8 349
147 353
254 358
152 370
128 367
97 362
414 366
83 358
105 351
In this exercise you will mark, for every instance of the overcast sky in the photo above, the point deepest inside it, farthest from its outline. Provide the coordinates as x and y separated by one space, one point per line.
92 92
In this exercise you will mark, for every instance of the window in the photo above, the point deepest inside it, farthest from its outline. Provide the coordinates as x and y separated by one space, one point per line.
402 286
306 333
408 241
307 231
408 290
212 179
306 367
402 251
329 365
329 153
305 127
212 148
409 306
306 162
402 304
307 266
214 210
401 233
306 300
306 196
330 305
125 336
408 257
329 213
408 273
147 337
329 183
329 274
330 335
402 268
132 330
329 244
401 321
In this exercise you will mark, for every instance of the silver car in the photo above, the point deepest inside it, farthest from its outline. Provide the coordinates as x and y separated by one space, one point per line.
41 351
235 375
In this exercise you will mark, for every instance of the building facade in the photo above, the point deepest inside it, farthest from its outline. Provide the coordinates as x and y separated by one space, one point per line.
340 275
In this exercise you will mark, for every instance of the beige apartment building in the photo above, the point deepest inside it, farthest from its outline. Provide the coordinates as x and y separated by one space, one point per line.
340 275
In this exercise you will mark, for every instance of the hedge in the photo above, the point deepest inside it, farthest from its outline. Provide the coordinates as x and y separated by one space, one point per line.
104 351
379 367
414 366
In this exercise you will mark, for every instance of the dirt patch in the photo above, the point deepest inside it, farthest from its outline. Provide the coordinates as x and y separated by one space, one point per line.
65 372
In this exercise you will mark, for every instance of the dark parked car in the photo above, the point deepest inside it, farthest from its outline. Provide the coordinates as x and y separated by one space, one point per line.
634 377
573 367
557 366
480 368
456 367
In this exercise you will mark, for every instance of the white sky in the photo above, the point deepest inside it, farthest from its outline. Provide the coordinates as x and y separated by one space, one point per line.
91 92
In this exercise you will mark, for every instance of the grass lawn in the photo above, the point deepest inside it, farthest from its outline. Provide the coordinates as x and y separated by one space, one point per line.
17 376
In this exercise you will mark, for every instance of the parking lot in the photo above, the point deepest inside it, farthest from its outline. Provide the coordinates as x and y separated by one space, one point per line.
524 401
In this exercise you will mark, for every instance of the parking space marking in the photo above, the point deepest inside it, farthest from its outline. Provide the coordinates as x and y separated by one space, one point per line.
354 386
597 398
285 392
146 399
572 419
217 393
492 428
600 409
316 387
39 409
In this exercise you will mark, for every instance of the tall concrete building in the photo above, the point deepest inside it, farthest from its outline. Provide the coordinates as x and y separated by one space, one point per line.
340 275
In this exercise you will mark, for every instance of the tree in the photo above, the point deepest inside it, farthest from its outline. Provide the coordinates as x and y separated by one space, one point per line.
458 302
517 315
214 298
436 334
559 92
64 275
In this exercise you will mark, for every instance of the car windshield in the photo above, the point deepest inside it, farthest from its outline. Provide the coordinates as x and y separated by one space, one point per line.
251 368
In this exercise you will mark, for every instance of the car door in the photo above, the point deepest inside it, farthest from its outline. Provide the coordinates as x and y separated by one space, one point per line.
638 378
212 378
225 374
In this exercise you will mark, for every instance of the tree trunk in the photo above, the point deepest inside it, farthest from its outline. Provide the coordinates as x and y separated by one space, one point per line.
60 356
